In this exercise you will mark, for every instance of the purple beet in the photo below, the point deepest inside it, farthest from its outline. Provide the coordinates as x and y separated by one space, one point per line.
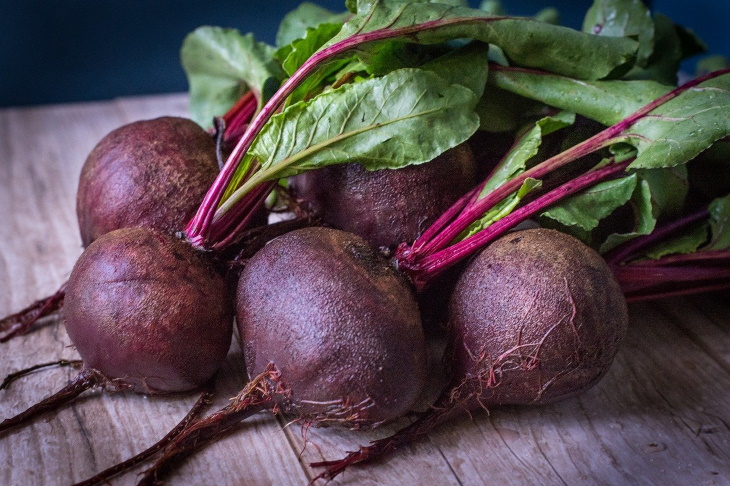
151 173
146 312
387 207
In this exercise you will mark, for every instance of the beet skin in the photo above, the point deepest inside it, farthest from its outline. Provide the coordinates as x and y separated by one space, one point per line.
387 207
149 311
338 322
151 173
536 317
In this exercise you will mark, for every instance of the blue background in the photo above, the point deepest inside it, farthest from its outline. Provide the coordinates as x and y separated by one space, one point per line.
80 50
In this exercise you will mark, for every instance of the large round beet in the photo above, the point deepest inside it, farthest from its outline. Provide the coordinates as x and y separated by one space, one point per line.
148 310
151 173
338 322
536 317
387 207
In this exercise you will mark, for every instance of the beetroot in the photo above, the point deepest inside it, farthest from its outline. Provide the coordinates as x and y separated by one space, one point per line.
339 324
148 309
151 173
387 207
146 312
536 317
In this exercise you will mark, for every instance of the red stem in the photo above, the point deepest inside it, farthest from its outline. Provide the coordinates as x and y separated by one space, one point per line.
702 256
239 116
649 294
625 252
432 265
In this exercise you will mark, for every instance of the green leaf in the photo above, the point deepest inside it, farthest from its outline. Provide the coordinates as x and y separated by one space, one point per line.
669 51
644 222
586 209
651 193
607 102
719 224
451 67
688 242
406 117
526 147
492 7
292 55
221 66
398 54
710 64
501 209
503 111
623 18
681 128
669 188
308 15
526 42
548 15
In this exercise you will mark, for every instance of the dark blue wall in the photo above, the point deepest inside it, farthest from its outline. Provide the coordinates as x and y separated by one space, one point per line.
77 50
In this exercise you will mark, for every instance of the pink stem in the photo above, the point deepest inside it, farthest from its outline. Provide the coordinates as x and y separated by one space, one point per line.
701 256
432 265
662 294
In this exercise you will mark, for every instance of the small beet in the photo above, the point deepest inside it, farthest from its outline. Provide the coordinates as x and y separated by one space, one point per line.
151 173
387 207
145 312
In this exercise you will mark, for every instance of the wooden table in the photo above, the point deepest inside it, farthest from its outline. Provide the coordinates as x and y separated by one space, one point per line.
661 416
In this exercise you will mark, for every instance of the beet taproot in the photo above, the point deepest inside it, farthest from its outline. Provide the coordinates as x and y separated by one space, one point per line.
338 322
147 308
536 317
145 312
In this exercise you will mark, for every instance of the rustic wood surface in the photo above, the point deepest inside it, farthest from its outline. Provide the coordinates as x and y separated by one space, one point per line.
660 417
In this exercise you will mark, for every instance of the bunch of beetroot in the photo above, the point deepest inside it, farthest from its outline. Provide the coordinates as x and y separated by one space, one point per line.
421 155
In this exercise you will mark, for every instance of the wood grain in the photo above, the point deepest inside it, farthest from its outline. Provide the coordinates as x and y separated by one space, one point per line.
660 417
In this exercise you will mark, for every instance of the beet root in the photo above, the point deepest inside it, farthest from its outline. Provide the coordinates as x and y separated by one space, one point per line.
148 310
536 317
387 207
340 325
151 173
